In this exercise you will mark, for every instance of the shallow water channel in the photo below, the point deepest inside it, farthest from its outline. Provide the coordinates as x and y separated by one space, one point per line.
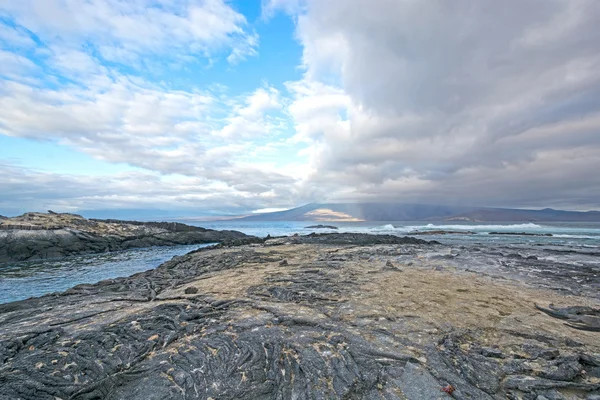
22 280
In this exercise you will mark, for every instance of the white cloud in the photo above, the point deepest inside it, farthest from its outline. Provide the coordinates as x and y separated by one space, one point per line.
159 130
40 191
250 119
13 65
126 31
434 100
476 102
243 49
270 7
10 36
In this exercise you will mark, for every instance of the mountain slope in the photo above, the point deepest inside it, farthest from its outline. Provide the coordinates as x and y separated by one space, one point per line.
510 215
415 212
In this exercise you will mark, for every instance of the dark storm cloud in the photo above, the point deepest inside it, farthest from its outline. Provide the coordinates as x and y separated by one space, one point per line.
479 101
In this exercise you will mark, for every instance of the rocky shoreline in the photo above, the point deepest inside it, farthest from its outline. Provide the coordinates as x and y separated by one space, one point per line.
37 236
323 316
320 226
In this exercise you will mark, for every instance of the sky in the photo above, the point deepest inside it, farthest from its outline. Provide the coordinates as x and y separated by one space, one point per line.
213 107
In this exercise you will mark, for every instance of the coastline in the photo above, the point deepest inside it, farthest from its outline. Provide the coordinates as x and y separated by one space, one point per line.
39 236
332 315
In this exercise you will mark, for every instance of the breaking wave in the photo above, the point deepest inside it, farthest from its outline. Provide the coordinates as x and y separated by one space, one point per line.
527 226
576 236
432 227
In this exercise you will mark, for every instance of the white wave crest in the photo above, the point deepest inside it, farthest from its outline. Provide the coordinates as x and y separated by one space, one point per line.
527 226
576 236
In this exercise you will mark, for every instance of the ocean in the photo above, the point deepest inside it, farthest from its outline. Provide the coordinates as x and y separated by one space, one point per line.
19 281
586 235
27 279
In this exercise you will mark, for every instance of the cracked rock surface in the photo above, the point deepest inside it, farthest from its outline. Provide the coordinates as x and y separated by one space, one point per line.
344 317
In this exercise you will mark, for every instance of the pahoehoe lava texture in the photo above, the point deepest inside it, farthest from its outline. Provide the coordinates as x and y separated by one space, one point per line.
315 317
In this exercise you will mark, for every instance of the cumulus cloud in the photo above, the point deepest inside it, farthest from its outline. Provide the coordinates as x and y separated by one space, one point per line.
59 84
475 101
470 102
165 131
250 119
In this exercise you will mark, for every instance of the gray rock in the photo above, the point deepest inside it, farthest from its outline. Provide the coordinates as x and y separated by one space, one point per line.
578 317
590 359
552 395
304 331
564 369
389 266
536 351
321 227
45 244
533 384
416 383
492 352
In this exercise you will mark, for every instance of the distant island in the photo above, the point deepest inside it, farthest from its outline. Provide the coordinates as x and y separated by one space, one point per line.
354 212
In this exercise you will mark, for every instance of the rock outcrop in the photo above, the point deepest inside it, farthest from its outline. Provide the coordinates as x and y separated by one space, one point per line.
337 320
35 236
320 226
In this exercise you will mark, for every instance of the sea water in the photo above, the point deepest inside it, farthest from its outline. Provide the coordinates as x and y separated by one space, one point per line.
22 280
563 233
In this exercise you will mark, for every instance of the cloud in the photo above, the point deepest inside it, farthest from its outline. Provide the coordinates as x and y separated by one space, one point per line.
66 93
243 49
468 101
14 37
13 64
38 190
250 119
271 7
126 31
